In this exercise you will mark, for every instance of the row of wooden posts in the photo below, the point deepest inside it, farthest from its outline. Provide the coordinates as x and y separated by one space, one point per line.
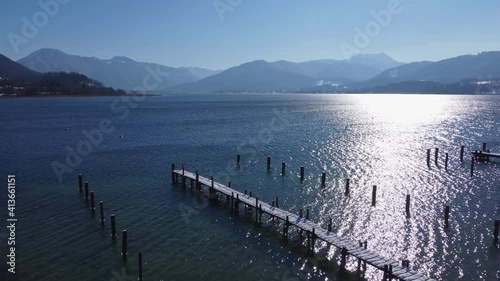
84 188
462 151
374 188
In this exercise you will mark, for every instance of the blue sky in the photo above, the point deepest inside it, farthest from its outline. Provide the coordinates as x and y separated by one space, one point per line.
193 33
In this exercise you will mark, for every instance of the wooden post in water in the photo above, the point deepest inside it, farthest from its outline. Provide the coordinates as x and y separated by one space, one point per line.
330 225
301 173
277 205
140 266
173 174
374 195
113 227
446 161
472 167
198 185
301 213
80 183
183 178
428 157
347 186
484 147
250 194
237 203
343 259
313 240
124 245
101 211
407 205
446 215
87 190
323 179
269 162
260 214
307 213
283 167
238 158
495 231
229 184
436 155
285 229
462 149
92 202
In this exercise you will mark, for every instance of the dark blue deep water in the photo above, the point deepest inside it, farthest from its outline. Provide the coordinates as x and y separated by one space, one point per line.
371 139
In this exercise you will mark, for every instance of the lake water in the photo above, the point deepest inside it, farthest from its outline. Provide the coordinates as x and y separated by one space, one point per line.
370 139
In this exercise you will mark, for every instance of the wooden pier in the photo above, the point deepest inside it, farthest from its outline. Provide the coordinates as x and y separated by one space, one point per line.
485 155
392 269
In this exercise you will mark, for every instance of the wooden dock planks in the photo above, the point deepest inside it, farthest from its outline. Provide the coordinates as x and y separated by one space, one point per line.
353 248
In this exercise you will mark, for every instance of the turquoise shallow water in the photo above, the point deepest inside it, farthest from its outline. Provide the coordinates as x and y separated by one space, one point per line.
371 139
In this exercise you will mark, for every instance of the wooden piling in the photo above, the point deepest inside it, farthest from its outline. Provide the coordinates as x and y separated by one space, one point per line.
113 227
140 266
347 186
283 167
408 205
323 179
101 211
462 149
330 225
343 259
313 240
92 202
428 157
484 147
257 210
496 229
173 174
80 183
268 162
229 184
374 195
238 158
472 167
124 244
198 185
446 215
277 205
301 173
307 213
260 214
446 161
87 190
436 155
301 213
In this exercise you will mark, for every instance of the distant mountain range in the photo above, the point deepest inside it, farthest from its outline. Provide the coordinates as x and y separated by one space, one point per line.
361 73
17 80
118 72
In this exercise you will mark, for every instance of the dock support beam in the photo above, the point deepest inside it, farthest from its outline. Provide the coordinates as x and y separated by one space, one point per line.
113 227
462 149
446 215
495 231
407 205
140 266
446 161
343 259
374 195
472 167
124 245
80 183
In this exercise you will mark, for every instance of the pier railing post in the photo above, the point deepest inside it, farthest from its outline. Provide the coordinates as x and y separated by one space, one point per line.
374 195
80 183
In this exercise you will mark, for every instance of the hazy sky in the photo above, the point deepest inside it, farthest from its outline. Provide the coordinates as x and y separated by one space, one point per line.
223 33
